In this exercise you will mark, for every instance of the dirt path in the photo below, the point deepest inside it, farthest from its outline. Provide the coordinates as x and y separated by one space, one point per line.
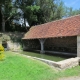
70 78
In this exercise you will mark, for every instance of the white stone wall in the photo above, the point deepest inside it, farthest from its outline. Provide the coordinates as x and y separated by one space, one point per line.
78 46
13 46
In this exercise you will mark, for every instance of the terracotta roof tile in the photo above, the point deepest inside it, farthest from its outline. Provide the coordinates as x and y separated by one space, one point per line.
59 28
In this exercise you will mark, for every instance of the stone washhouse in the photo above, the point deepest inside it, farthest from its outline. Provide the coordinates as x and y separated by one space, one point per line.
63 34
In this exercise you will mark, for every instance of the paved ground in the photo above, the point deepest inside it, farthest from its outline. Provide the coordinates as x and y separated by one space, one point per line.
71 78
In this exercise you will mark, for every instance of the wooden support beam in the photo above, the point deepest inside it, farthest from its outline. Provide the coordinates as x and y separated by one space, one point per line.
42 45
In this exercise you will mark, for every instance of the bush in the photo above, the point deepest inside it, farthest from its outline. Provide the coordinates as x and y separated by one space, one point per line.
2 56
1 48
1 52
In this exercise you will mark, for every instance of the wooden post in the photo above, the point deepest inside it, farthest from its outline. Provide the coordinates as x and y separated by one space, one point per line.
42 45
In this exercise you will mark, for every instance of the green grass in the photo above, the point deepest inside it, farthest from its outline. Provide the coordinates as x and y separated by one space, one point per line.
16 67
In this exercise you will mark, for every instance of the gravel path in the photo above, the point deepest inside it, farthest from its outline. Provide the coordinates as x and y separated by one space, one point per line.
71 78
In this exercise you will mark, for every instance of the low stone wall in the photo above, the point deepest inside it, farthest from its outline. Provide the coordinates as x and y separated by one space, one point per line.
64 64
68 63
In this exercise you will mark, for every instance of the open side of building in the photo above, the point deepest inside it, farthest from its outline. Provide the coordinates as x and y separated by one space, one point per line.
61 34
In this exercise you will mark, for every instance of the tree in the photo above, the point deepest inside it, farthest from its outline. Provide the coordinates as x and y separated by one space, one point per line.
70 12
51 9
32 14
47 8
59 11
40 11
23 5
7 11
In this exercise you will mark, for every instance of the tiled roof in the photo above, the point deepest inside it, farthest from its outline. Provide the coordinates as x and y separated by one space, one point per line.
59 28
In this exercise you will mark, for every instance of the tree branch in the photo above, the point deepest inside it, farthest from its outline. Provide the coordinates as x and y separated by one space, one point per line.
8 18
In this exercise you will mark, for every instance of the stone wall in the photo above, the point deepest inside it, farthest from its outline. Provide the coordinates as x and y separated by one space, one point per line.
13 40
31 44
13 46
65 44
64 64
78 46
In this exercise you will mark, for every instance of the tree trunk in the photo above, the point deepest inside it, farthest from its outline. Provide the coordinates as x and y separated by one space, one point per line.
3 24
25 23
3 21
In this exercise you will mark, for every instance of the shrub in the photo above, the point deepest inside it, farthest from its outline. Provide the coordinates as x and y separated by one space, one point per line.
2 56
1 52
1 48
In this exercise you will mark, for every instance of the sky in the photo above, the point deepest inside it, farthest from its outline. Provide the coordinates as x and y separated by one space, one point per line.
75 4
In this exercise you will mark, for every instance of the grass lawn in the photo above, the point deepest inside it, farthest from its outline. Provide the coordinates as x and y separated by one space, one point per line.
16 67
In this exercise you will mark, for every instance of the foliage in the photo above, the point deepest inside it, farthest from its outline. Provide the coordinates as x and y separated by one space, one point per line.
31 14
41 11
51 9
70 12
33 11
1 52
1 48
7 11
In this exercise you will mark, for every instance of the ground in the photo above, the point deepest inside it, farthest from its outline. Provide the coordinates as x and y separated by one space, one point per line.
70 78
